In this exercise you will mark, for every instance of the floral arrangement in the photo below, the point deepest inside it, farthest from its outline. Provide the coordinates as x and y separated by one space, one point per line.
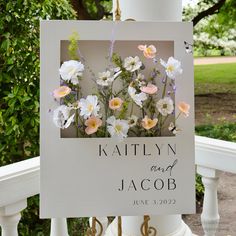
126 102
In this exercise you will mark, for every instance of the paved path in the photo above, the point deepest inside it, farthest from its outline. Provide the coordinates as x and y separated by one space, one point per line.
214 60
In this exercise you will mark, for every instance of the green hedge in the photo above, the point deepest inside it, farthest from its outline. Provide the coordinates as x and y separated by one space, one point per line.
19 73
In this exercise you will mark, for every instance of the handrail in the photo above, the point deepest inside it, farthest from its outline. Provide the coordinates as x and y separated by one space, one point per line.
19 181
215 154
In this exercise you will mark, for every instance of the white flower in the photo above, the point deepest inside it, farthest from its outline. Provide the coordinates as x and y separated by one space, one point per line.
140 79
62 118
117 128
89 106
105 78
137 97
132 121
71 70
173 67
132 63
165 106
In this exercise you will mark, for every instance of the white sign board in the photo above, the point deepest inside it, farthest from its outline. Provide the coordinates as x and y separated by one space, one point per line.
94 176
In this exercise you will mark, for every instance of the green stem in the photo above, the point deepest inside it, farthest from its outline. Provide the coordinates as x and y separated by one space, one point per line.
77 114
132 108
164 121
165 85
177 116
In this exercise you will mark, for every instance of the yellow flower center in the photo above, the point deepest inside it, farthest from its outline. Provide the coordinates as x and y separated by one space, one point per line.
93 124
170 68
62 93
116 103
149 50
118 128
90 107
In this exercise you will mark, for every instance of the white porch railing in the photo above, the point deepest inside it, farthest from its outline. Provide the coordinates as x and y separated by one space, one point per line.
20 181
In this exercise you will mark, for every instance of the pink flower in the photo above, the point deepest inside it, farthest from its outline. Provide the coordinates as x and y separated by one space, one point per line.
61 92
149 89
148 52
93 123
115 103
184 108
148 123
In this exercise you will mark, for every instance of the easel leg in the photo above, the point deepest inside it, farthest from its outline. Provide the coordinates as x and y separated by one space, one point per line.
119 226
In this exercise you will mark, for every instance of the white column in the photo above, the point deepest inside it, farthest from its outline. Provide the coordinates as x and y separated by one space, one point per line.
10 216
210 215
59 227
152 10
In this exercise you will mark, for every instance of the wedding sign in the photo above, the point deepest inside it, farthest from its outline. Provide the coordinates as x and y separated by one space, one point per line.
117 119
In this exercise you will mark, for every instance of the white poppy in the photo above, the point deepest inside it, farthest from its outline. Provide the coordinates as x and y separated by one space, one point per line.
165 106
117 128
105 78
132 63
71 70
89 106
137 97
62 118
132 121
173 67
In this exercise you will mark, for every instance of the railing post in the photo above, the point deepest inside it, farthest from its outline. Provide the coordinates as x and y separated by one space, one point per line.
210 215
59 227
10 216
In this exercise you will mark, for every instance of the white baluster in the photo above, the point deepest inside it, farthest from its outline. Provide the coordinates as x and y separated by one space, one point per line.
10 216
59 227
210 215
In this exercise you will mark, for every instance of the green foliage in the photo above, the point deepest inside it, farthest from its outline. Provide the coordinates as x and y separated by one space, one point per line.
224 131
98 9
19 73
199 189
73 46
214 33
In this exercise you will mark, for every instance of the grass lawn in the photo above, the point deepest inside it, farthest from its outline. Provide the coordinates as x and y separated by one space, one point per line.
216 78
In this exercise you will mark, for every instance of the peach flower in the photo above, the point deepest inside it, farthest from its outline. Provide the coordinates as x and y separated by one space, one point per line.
93 123
115 103
61 92
149 89
148 52
184 108
148 123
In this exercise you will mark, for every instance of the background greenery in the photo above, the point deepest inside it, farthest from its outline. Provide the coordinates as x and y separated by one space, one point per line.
220 78
19 79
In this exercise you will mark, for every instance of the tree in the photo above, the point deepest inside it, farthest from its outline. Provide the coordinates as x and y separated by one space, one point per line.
215 31
215 8
225 9
92 9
